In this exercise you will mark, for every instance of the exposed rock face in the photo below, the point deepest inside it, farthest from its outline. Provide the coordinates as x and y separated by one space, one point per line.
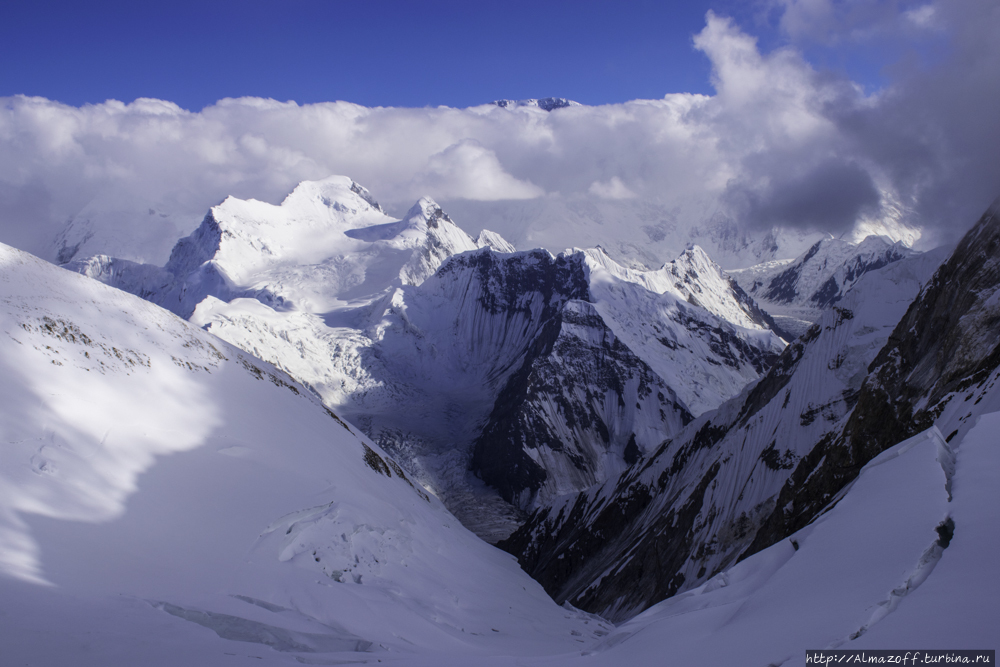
689 510
943 354
570 415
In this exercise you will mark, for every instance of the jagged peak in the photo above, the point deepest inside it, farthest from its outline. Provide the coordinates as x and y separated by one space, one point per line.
694 255
492 240
427 211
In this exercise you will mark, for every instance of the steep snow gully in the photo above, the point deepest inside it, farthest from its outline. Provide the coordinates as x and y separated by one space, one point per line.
276 477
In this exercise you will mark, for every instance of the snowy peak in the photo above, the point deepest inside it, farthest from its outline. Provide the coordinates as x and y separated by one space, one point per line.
427 212
796 292
822 274
492 240
703 283
441 239
338 192
326 246
938 369
692 277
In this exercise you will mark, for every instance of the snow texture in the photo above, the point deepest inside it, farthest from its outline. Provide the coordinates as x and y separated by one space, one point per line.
169 499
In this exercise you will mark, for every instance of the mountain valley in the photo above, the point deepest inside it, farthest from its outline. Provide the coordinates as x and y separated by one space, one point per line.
298 439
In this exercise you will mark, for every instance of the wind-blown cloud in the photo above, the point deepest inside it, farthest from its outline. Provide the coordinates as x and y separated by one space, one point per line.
780 143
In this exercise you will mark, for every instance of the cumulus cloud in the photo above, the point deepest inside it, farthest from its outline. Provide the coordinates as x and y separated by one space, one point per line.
779 143
467 170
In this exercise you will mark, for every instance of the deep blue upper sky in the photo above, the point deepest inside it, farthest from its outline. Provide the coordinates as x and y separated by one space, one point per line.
372 52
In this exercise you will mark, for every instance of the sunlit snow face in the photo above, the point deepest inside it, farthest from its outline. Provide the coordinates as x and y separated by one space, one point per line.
83 415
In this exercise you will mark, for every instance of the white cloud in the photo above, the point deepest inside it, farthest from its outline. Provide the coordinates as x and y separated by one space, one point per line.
613 189
467 170
922 17
685 160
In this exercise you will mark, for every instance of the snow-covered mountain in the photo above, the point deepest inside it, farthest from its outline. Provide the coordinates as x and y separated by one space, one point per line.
442 348
769 462
169 499
328 244
708 489
938 368
797 292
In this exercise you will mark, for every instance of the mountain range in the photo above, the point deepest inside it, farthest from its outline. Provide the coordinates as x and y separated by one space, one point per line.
283 444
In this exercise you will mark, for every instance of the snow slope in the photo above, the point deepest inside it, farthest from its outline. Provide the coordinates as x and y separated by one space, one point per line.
796 292
873 572
168 499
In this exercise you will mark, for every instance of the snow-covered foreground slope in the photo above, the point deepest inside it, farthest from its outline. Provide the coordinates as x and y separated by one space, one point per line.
903 560
796 292
448 351
169 499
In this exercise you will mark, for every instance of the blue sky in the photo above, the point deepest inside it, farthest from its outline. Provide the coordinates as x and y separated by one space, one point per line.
377 52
